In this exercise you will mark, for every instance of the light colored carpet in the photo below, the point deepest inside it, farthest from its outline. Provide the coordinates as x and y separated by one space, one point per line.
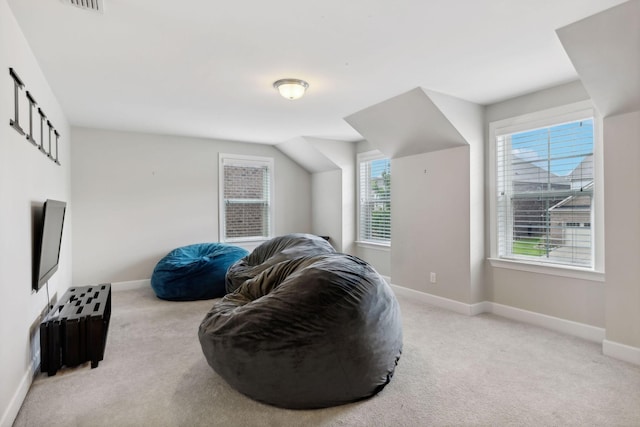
455 370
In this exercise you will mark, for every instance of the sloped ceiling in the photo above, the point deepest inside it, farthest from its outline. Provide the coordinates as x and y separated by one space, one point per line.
304 152
605 51
415 122
318 154
467 117
340 153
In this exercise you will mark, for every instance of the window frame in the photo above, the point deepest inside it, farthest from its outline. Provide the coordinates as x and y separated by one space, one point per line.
363 157
539 119
221 199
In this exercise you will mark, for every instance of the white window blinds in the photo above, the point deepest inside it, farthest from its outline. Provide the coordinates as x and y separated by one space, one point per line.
246 198
544 197
374 198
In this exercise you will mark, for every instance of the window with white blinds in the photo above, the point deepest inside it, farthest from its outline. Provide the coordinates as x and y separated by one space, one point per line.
245 198
544 192
374 195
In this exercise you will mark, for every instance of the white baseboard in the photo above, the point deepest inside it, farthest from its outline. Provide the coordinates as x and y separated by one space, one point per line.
130 285
569 327
621 351
10 414
449 304
479 308
588 332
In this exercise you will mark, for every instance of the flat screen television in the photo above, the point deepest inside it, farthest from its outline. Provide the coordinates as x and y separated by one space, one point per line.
48 240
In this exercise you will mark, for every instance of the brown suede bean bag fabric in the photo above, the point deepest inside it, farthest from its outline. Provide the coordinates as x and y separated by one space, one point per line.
308 332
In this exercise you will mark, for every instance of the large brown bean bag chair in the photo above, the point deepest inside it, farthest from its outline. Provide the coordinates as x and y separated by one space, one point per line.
308 332
273 251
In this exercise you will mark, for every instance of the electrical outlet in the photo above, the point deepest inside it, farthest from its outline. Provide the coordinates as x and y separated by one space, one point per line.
432 277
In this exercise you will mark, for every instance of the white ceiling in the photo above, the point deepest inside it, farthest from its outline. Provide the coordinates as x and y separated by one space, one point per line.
205 68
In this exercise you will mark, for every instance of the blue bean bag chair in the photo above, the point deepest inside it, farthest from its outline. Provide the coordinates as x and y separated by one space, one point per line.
195 272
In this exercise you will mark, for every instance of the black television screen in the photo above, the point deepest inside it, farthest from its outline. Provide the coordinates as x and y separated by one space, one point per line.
47 250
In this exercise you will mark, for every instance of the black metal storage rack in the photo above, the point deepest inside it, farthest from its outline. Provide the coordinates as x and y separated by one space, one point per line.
75 331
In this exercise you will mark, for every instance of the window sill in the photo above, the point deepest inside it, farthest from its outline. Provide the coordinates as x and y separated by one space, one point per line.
552 270
378 246
240 240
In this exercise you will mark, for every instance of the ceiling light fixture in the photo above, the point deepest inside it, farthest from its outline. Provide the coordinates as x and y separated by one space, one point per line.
291 88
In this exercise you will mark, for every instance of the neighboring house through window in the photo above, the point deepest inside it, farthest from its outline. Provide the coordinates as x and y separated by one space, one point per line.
374 196
245 198
544 189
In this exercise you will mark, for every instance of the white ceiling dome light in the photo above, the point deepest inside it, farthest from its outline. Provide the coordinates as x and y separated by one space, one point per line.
291 88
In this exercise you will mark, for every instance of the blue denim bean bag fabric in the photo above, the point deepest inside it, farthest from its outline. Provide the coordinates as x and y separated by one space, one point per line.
195 272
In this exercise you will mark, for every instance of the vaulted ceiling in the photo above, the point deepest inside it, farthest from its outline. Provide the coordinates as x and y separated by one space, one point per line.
205 68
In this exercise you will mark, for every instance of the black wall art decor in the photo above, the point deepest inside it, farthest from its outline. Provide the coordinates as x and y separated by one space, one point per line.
45 148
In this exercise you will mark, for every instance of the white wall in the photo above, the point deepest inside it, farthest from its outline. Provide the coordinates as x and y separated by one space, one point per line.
138 196
468 120
27 179
435 231
349 206
622 220
431 223
336 192
432 179
605 51
326 190
579 300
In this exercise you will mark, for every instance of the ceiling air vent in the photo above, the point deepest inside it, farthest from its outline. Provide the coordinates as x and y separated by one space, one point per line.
93 5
